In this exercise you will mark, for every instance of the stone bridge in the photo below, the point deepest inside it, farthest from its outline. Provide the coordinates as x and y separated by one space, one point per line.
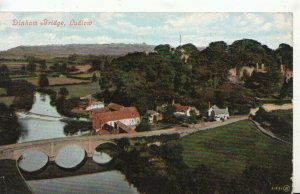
52 146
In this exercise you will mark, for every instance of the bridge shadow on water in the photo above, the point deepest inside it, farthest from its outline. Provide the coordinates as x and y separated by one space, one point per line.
52 170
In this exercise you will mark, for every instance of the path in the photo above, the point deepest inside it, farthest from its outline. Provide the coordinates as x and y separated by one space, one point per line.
269 133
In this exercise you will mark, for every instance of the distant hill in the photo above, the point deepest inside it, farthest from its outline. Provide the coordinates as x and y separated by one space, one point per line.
79 49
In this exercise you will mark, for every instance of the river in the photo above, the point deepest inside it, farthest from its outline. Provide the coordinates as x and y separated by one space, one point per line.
108 182
43 122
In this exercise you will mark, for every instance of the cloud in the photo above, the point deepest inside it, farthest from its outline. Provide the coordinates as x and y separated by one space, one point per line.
152 28
6 20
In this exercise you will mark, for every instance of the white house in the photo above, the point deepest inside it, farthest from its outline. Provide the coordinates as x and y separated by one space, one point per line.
95 105
153 116
215 113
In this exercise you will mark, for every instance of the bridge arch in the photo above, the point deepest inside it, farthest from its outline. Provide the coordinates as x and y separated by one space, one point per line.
104 153
70 156
32 160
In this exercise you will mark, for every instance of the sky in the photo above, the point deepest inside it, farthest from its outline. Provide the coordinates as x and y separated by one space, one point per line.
199 29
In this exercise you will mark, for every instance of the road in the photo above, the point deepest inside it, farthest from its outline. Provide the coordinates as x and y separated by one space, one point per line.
183 131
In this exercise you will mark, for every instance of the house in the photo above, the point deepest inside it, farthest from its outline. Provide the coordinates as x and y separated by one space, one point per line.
153 116
215 113
114 118
95 105
185 110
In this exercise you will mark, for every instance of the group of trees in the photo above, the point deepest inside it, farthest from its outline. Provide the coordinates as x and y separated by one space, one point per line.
148 80
10 129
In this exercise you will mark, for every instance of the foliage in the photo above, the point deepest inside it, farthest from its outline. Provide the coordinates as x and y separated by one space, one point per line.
43 80
73 126
63 91
144 125
94 78
285 55
43 65
168 115
23 92
4 76
149 80
279 122
31 67
10 129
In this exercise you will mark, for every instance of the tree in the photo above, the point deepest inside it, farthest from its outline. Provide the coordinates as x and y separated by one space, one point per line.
193 117
94 78
123 144
23 69
285 55
43 80
63 91
43 65
4 76
10 129
31 67
144 125
168 115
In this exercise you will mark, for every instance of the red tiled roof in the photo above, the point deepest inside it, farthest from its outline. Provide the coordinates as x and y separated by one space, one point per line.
179 107
124 113
114 106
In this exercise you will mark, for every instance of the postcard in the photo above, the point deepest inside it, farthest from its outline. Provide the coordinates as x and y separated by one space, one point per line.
146 102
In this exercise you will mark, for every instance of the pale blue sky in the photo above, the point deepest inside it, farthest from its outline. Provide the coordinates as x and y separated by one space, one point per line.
151 28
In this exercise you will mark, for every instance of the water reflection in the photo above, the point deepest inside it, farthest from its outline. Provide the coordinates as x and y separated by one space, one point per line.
42 121
109 182
101 157
32 160
70 156
42 105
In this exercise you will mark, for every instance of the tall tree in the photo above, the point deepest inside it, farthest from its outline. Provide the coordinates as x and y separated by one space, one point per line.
4 76
43 80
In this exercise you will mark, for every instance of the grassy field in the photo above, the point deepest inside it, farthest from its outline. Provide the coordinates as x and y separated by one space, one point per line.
13 182
87 75
53 80
5 99
227 150
79 90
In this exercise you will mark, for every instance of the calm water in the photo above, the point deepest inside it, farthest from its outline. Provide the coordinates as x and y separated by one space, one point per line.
38 125
109 182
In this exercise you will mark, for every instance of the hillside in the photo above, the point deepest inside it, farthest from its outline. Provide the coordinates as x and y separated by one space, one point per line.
79 49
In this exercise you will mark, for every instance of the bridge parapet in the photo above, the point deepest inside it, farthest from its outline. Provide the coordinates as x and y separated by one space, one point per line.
51 146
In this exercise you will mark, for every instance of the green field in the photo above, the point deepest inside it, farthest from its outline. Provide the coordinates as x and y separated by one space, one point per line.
79 90
5 99
87 75
227 150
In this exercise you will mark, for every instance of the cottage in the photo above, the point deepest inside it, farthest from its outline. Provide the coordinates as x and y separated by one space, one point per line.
95 105
106 118
215 113
185 110
153 116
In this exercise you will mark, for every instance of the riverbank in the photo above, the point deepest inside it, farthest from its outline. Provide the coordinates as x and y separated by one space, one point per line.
11 181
